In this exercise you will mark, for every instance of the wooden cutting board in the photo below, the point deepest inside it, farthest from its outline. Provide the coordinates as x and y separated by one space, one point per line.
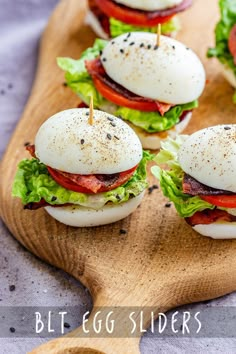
160 261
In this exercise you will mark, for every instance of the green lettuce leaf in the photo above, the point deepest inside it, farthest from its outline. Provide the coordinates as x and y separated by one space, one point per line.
171 179
81 83
117 27
152 121
77 77
222 31
33 183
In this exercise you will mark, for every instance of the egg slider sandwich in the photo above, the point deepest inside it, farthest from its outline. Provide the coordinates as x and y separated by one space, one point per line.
201 179
86 170
153 85
110 18
225 38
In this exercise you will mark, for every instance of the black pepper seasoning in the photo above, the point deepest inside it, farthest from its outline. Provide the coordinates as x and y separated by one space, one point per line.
12 330
132 43
149 46
82 141
122 51
151 189
12 287
123 231
109 136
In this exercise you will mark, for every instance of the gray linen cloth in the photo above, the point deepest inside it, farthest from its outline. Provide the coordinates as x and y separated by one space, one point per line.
34 282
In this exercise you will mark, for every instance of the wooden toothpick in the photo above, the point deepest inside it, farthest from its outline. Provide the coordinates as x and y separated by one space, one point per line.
159 35
91 111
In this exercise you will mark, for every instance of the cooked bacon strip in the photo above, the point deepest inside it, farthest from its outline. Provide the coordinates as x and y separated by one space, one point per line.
184 114
92 182
41 204
193 187
82 105
208 216
102 18
163 107
31 149
232 42
96 70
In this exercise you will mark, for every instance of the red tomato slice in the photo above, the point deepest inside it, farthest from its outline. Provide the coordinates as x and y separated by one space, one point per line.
90 184
226 201
131 16
117 98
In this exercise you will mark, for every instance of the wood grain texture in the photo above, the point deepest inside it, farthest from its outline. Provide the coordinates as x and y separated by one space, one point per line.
160 262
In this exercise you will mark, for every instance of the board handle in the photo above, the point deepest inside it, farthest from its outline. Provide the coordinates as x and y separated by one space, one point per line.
110 340
89 346
76 342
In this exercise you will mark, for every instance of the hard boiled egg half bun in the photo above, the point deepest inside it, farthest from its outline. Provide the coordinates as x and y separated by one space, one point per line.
69 143
209 158
88 169
170 74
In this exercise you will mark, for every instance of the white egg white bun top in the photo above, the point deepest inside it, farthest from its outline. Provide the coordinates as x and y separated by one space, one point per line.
171 73
209 156
67 142
149 5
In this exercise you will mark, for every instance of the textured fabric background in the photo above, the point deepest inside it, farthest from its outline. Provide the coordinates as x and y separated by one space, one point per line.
36 283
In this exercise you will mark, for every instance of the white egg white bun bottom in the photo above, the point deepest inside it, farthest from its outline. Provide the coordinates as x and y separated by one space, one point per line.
228 75
79 216
217 230
153 141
